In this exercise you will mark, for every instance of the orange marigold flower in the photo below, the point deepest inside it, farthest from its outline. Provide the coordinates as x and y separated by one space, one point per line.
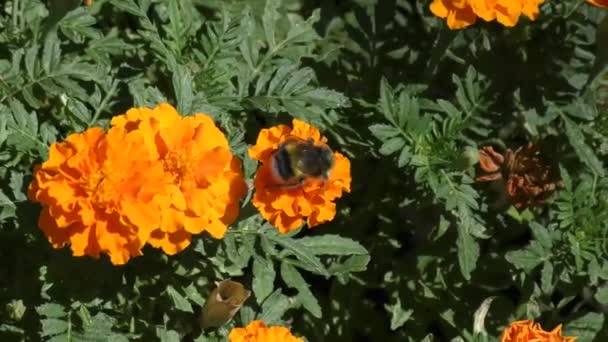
286 207
462 13
528 331
207 181
257 331
97 193
599 3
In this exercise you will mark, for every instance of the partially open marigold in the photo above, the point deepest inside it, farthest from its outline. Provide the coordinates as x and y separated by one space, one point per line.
462 13
528 331
286 207
207 182
97 192
257 331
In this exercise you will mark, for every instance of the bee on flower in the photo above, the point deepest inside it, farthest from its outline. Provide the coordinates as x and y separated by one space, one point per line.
299 178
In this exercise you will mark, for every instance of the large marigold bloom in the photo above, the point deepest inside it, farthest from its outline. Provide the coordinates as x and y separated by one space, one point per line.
462 13
257 331
207 182
286 207
97 192
529 331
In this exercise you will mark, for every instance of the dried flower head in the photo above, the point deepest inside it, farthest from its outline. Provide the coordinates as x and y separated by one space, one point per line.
207 182
529 181
528 331
462 13
286 207
257 331
97 193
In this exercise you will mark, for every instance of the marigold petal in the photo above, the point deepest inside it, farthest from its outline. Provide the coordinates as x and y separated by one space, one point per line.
439 8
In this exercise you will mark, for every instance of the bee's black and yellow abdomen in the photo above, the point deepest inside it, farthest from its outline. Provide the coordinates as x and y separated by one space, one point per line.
283 164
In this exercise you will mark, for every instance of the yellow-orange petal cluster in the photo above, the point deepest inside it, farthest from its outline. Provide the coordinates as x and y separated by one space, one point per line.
95 197
207 181
287 207
529 331
257 331
155 177
462 13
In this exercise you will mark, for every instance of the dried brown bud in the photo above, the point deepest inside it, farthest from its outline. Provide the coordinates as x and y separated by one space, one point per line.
223 303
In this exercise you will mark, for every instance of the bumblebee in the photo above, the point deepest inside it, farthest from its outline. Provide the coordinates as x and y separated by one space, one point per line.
298 160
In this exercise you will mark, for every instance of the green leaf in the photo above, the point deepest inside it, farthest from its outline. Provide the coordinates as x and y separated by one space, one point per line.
168 335
585 328
274 307
292 277
182 86
330 244
392 145
398 315
263 278
180 302
528 258
53 326
298 250
468 252
601 295
355 263
583 151
383 132
51 310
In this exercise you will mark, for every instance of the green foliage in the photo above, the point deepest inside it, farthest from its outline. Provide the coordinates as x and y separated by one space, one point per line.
418 251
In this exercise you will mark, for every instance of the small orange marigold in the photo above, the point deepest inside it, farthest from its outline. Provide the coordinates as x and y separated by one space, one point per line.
286 207
529 331
207 181
599 3
462 13
257 331
97 193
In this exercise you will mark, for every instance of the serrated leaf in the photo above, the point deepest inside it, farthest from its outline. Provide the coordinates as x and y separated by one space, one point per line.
398 315
528 258
51 310
392 145
292 277
383 132
584 152
274 307
355 263
468 252
168 335
586 327
330 244
180 302
182 86
299 251
601 295
53 326
263 278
